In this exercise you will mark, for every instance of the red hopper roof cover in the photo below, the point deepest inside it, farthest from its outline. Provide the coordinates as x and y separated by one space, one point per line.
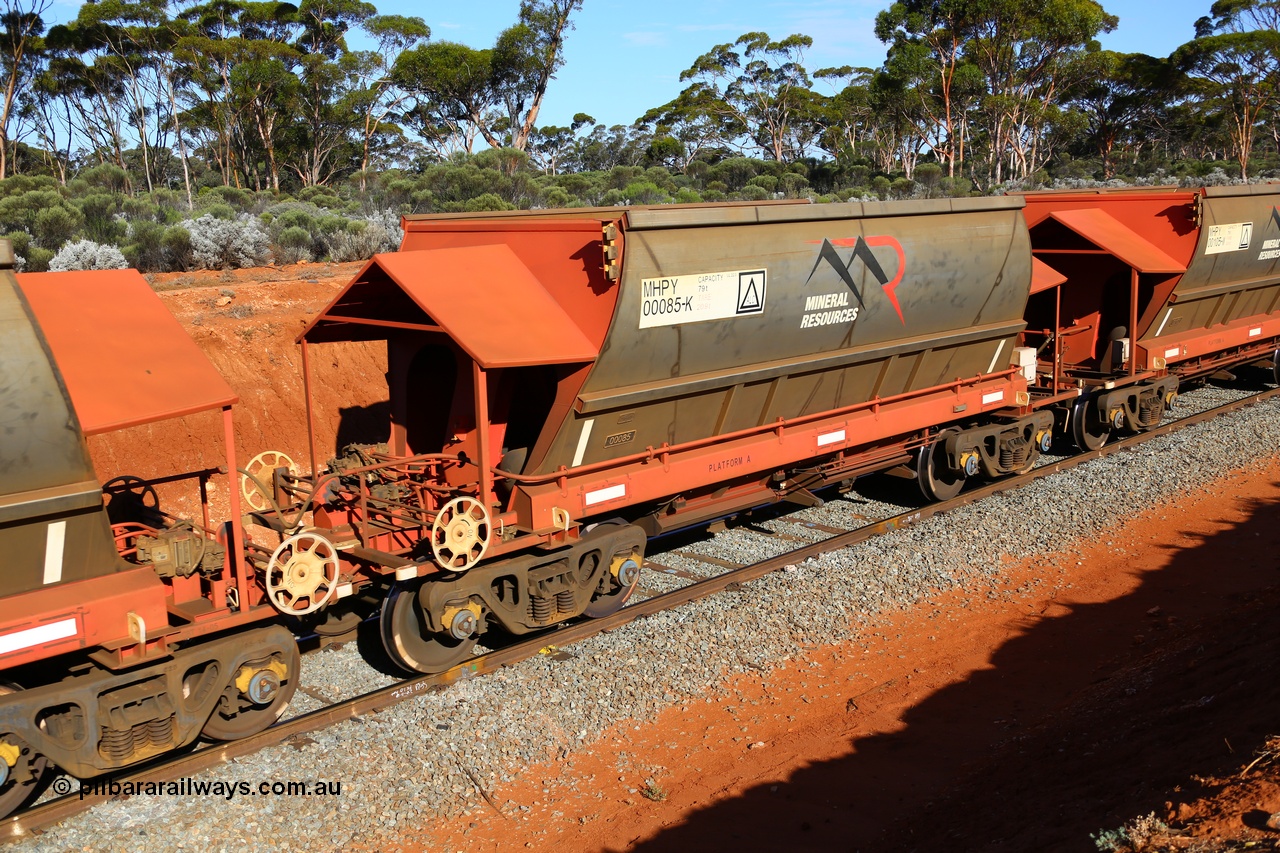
1044 276
484 297
1108 233
124 358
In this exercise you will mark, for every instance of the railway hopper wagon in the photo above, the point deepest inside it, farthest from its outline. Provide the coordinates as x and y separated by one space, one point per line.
1156 287
125 631
565 384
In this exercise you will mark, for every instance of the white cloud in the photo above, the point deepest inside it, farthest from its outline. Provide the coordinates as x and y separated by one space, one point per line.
646 38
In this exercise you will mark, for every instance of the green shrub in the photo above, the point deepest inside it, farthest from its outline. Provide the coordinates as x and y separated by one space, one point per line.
486 201
290 217
19 184
330 224
292 245
177 246
218 210
556 197
21 242
106 176
792 184
100 222
735 172
38 259
620 176
644 192
140 207
233 196
957 187
145 249
320 196
55 226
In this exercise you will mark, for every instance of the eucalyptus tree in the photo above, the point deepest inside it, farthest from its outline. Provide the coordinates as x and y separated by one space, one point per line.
374 94
125 48
551 148
324 127
1122 101
694 123
242 86
1027 54
759 89
851 120
927 40
901 122
494 92
21 53
1234 62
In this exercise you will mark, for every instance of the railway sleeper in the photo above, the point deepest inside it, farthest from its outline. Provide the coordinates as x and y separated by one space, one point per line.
532 591
97 721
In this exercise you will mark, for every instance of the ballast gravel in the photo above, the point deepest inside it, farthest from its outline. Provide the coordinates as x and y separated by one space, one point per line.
424 760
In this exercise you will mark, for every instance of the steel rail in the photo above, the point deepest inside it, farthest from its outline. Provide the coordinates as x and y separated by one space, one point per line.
33 820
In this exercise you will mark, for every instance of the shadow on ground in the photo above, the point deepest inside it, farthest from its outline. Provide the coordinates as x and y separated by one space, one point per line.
1083 721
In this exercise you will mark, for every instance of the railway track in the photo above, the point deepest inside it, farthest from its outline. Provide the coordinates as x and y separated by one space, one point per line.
34 820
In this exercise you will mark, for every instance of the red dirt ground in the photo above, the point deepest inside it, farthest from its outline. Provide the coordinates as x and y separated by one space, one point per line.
1138 678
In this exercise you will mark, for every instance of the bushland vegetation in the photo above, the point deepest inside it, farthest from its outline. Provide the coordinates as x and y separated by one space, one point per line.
170 135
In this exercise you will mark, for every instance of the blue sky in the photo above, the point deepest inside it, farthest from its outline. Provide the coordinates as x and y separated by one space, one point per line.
625 56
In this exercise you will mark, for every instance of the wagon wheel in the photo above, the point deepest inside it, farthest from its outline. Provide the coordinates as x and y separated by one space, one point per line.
1275 367
460 534
937 481
1088 430
238 715
257 475
302 575
622 578
409 641
132 499
33 768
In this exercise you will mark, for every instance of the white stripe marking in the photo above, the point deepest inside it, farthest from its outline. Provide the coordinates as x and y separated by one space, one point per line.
992 397
602 495
53 543
830 438
992 366
25 639
1162 322
1253 333
344 589
1173 352
582 441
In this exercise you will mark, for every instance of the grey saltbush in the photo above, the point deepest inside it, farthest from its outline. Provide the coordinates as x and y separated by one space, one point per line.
87 255
364 238
227 243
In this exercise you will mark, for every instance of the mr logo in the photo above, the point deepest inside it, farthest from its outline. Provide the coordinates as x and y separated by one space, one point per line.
830 255
751 292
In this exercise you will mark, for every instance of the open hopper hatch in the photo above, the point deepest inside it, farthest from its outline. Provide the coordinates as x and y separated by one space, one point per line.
1114 281
474 338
